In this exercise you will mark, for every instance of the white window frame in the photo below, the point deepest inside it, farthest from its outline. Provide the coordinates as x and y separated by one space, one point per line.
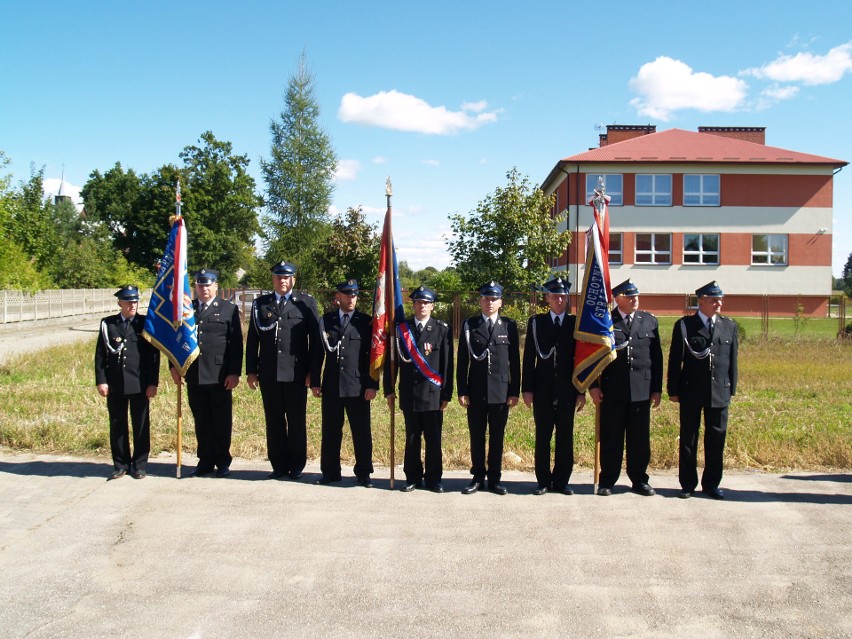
619 252
657 196
615 192
704 196
653 253
702 254
776 253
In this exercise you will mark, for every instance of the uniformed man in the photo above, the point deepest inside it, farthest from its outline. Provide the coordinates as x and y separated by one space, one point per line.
489 380
548 390
626 389
214 374
127 372
425 366
282 347
346 385
702 377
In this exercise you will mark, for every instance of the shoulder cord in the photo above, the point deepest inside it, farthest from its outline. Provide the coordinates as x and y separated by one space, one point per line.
328 347
399 349
105 335
257 321
551 352
703 354
485 353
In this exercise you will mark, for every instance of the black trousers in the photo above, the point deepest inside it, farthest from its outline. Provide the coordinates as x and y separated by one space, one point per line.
427 424
119 440
212 410
285 405
550 417
620 421
715 430
483 417
357 409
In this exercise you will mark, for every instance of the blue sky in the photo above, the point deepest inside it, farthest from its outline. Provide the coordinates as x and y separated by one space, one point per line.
443 97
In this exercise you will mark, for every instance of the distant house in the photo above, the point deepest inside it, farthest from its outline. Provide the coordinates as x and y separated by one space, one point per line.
692 207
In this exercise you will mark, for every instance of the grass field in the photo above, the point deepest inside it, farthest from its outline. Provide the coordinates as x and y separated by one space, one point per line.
793 409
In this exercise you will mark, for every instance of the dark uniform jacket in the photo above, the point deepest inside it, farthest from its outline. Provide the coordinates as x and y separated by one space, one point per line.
129 364
502 379
220 339
709 381
416 393
347 370
288 353
638 369
547 382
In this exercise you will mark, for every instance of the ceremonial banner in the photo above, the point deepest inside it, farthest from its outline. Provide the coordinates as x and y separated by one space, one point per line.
170 323
387 303
595 347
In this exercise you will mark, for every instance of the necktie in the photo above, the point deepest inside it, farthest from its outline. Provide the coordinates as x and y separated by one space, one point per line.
344 321
490 325
710 326
202 307
557 323
418 328
281 303
627 322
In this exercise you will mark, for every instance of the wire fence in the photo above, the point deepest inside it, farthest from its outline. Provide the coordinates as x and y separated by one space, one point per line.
21 307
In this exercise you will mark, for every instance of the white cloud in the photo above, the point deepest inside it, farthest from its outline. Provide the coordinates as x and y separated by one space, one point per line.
347 170
476 107
807 68
781 93
430 162
403 112
666 85
420 251
379 159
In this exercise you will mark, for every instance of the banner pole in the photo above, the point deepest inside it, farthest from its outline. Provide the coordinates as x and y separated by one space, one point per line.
597 445
390 302
179 426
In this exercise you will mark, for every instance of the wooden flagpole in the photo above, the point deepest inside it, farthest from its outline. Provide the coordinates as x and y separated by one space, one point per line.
390 307
597 446
179 426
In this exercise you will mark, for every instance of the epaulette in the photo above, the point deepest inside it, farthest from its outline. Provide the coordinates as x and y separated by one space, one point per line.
441 323
305 294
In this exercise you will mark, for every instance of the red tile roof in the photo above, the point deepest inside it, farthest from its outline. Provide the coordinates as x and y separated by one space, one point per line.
677 145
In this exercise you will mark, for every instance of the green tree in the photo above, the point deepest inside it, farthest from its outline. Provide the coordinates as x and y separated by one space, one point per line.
221 207
510 237
351 250
407 278
299 180
846 276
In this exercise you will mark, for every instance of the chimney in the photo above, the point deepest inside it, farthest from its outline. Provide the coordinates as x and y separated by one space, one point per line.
756 134
621 132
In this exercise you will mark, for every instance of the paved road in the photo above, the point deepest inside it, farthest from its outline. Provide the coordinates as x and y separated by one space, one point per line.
16 339
247 557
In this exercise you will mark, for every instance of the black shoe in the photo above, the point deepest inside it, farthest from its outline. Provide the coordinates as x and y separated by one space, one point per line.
407 488
436 488
498 489
117 474
366 482
714 493
603 491
541 490
325 481
472 487
277 474
685 494
294 475
200 472
224 471
138 474
644 489
565 490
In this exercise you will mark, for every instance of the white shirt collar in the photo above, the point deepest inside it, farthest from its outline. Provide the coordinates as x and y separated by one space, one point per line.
561 316
493 318
704 318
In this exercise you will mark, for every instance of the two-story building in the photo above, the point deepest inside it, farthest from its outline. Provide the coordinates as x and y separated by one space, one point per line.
691 207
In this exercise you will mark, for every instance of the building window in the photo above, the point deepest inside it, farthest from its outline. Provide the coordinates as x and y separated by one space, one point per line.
700 248
653 190
701 190
613 187
769 249
616 256
653 248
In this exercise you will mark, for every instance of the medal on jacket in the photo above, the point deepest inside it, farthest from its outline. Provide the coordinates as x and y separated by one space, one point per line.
427 348
407 343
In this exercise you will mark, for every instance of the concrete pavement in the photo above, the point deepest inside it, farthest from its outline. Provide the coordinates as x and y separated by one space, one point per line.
247 557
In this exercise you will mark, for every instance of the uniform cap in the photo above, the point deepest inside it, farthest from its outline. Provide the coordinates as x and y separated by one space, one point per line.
626 288
711 289
491 289
284 268
128 293
423 293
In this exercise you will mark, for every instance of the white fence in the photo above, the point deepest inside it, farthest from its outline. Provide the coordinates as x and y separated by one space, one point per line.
18 306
